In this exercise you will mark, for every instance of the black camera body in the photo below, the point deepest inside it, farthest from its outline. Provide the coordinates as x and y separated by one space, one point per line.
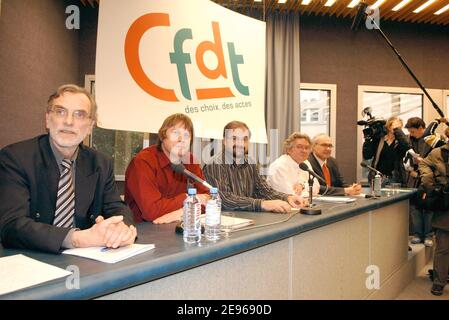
374 127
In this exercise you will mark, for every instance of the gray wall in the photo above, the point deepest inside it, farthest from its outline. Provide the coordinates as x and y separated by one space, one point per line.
37 54
332 53
88 41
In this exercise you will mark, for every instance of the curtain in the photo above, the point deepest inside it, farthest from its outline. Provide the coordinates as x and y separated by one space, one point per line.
282 107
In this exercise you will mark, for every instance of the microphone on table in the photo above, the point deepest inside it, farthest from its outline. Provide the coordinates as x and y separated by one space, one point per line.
309 209
363 164
181 169
376 183
304 167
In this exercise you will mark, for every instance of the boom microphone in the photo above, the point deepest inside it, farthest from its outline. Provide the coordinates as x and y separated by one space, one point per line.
181 169
359 16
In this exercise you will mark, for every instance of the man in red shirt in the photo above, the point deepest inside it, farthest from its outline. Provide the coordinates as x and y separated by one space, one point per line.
153 191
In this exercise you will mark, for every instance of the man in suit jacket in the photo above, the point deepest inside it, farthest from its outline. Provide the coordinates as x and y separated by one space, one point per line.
326 166
54 177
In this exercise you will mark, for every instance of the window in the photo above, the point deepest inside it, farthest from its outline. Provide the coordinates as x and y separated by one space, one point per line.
304 116
315 115
318 109
313 103
385 105
122 146
326 115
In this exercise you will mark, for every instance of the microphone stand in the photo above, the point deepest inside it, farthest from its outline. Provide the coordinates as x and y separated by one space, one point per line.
377 27
309 210
190 184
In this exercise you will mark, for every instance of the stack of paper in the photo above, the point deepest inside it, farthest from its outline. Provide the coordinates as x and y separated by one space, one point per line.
230 222
110 255
19 272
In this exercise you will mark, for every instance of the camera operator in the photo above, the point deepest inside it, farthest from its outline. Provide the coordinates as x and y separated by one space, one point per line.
387 151
422 140
434 171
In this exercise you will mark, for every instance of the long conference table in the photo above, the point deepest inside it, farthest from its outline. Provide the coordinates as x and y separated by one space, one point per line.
327 256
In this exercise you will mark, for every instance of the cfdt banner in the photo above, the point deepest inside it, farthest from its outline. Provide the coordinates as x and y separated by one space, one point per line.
159 57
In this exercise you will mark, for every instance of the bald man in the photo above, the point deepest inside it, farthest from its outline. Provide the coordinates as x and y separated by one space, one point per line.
326 166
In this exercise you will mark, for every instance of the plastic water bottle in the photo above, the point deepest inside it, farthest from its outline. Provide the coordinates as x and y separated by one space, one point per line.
191 217
377 185
213 216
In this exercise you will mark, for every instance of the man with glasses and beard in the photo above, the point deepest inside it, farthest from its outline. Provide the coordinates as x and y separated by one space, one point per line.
237 177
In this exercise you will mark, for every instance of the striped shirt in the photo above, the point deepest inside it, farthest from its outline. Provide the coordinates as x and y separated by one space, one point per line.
240 185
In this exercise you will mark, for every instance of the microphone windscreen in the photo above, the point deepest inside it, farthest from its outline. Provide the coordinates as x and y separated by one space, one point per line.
363 164
361 8
178 167
303 166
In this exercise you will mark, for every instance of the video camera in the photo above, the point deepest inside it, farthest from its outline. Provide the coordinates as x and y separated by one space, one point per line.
374 127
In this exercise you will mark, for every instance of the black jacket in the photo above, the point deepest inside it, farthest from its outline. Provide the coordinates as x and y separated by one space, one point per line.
400 145
29 178
337 182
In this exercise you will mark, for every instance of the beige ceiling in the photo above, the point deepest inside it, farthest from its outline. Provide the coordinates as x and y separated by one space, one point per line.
338 9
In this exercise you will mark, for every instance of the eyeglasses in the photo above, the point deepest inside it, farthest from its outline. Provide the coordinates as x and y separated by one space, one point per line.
326 145
61 113
301 147
174 135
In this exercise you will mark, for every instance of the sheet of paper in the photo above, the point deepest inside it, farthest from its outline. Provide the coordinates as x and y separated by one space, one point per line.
231 222
234 222
396 190
109 255
335 199
360 195
19 272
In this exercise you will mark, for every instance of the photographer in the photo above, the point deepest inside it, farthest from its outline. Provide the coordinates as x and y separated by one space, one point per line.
434 171
419 138
387 151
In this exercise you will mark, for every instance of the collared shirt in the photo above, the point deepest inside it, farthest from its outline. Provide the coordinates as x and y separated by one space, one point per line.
284 173
59 157
152 188
240 185
321 162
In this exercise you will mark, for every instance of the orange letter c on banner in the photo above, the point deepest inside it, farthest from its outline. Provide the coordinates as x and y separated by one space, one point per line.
132 42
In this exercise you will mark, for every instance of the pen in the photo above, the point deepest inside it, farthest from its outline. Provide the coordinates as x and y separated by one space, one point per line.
104 249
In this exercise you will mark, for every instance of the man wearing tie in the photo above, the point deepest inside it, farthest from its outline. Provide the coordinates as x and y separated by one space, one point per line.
326 166
56 193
